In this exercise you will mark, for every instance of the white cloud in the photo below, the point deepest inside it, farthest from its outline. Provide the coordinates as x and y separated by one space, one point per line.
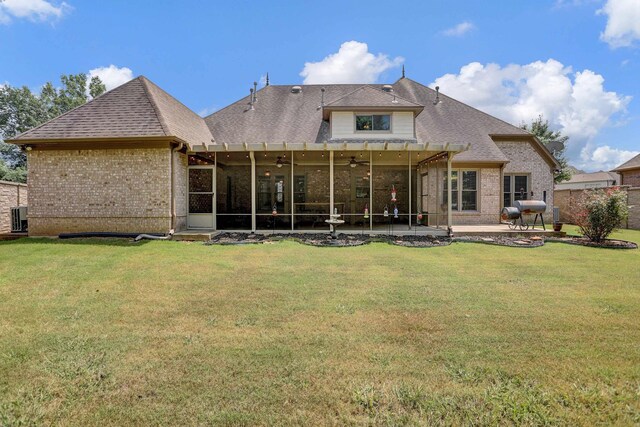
353 63
112 76
574 102
208 110
605 157
623 22
33 10
459 30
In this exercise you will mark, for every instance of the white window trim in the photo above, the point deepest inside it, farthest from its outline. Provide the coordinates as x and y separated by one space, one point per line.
513 192
459 190
372 113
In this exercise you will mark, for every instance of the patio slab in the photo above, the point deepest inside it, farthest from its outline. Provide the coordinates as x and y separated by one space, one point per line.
502 230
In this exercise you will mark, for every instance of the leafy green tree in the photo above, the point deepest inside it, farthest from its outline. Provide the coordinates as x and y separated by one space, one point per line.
16 174
96 87
21 110
555 142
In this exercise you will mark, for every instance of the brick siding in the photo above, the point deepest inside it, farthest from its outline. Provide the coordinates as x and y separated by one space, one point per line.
524 158
631 178
120 190
634 208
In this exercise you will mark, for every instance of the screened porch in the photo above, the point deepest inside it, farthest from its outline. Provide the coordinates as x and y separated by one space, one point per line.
296 190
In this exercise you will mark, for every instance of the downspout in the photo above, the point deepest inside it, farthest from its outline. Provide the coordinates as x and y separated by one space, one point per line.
173 189
173 202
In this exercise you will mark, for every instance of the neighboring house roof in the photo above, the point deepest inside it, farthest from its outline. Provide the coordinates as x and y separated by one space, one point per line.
592 177
634 163
138 108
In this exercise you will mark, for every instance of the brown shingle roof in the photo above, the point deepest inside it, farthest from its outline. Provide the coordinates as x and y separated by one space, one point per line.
280 115
138 108
634 163
593 176
451 121
368 96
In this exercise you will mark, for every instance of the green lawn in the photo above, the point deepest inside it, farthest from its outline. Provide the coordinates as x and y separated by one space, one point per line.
107 332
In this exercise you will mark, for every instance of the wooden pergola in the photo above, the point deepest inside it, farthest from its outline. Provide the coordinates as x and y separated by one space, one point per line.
432 152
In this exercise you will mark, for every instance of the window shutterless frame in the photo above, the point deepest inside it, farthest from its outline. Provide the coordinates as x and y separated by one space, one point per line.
372 115
515 186
464 191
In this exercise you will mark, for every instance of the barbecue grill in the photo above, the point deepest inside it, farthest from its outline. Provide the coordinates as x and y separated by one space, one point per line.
513 215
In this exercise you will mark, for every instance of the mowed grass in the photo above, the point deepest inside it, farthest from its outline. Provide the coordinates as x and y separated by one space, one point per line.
107 332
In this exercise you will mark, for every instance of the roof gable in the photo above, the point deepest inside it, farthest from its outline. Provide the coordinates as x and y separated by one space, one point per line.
138 108
368 96
633 163
593 176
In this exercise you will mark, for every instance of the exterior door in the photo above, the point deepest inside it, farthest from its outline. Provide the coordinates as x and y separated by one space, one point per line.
201 208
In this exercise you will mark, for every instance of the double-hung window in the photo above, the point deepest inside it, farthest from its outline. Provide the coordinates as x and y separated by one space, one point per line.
373 122
464 190
515 187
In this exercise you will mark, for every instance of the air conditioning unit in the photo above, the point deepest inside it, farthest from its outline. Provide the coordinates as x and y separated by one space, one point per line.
19 219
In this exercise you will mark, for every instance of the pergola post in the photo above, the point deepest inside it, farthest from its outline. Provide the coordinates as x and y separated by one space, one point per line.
253 191
331 182
449 191
409 155
215 191
291 205
370 190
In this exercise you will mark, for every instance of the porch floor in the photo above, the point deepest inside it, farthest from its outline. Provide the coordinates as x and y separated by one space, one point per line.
398 230
502 230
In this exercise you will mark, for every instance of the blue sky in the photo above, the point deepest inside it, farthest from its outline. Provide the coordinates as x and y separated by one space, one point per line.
575 61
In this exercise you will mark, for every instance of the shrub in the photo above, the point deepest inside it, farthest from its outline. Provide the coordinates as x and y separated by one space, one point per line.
599 212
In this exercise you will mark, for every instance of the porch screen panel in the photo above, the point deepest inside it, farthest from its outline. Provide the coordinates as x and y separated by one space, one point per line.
273 190
311 190
200 191
351 187
390 172
234 191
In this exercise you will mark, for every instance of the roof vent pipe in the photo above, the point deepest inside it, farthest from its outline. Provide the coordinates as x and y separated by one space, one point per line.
251 99
322 97
296 89
255 91
387 88
437 100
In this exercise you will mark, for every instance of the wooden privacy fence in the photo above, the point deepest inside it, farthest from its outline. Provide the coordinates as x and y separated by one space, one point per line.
12 194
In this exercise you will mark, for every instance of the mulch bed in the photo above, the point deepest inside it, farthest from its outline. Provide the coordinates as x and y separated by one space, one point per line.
324 239
516 241
583 241
348 240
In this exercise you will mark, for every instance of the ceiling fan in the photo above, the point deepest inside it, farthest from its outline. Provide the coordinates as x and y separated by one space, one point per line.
281 162
353 162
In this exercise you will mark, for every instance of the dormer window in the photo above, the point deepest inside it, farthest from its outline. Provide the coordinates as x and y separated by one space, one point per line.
373 122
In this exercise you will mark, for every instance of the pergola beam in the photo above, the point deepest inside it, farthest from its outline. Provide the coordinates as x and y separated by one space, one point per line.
328 146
